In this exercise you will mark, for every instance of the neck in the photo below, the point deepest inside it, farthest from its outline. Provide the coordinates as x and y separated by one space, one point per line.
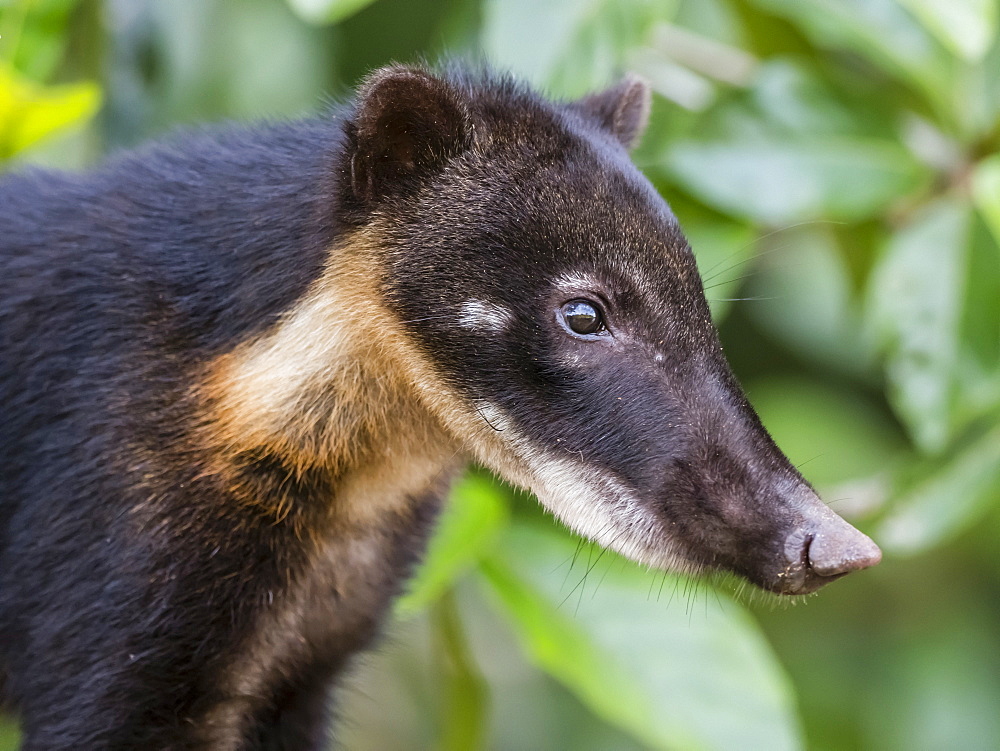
331 390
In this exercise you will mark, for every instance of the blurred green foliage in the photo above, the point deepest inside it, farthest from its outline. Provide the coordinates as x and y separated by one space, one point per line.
834 163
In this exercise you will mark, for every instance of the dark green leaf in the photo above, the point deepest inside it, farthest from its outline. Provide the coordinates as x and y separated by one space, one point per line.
879 30
722 249
801 294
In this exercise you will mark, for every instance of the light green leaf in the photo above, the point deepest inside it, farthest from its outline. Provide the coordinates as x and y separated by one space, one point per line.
948 501
978 100
978 369
30 112
914 310
795 98
835 435
938 682
476 512
673 679
569 46
966 27
986 192
327 11
784 181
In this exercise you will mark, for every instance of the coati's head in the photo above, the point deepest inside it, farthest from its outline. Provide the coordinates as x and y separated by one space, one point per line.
553 294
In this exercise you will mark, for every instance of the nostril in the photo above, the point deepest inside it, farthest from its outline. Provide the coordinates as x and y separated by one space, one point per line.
806 545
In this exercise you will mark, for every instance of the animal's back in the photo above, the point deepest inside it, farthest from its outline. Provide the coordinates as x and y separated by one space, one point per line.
157 261
117 289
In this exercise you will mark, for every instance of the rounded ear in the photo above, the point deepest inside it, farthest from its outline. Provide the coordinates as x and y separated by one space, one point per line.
623 109
407 125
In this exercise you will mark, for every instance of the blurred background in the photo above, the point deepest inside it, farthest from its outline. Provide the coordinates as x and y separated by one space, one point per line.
834 165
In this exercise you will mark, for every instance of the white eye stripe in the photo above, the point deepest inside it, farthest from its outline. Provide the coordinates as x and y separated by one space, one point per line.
577 282
480 315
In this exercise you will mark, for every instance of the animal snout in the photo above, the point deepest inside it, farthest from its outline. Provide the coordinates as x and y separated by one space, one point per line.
823 549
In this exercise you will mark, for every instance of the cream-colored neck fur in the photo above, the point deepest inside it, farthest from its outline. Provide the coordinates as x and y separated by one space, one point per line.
335 384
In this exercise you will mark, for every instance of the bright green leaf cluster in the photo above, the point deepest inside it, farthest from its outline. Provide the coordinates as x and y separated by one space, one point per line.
30 112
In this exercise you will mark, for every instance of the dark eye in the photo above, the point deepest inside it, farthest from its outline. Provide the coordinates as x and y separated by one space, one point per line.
582 317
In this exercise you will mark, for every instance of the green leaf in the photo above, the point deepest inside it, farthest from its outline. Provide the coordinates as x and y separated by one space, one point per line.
327 11
915 299
29 112
672 679
966 27
476 512
802 295
570 46
986 192
953 497
797 101
832 435
9 737
34 34
979 98
465 693
978 369
879 30
939 682
781 181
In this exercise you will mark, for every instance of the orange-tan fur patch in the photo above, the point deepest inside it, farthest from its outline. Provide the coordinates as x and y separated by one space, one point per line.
337 385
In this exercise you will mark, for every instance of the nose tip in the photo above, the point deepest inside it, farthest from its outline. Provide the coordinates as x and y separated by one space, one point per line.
838 548
824 548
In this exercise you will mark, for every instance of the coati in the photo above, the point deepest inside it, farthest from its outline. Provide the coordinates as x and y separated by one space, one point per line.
240 366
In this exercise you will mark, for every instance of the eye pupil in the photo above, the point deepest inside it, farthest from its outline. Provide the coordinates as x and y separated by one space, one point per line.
582 317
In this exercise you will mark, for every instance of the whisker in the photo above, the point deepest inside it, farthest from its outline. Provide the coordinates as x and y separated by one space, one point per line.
802 464
487 421
755 256
738 299
765 236
838 500
728 281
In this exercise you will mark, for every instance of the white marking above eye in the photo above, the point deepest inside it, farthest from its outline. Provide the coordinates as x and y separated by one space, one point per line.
576 282
480 315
